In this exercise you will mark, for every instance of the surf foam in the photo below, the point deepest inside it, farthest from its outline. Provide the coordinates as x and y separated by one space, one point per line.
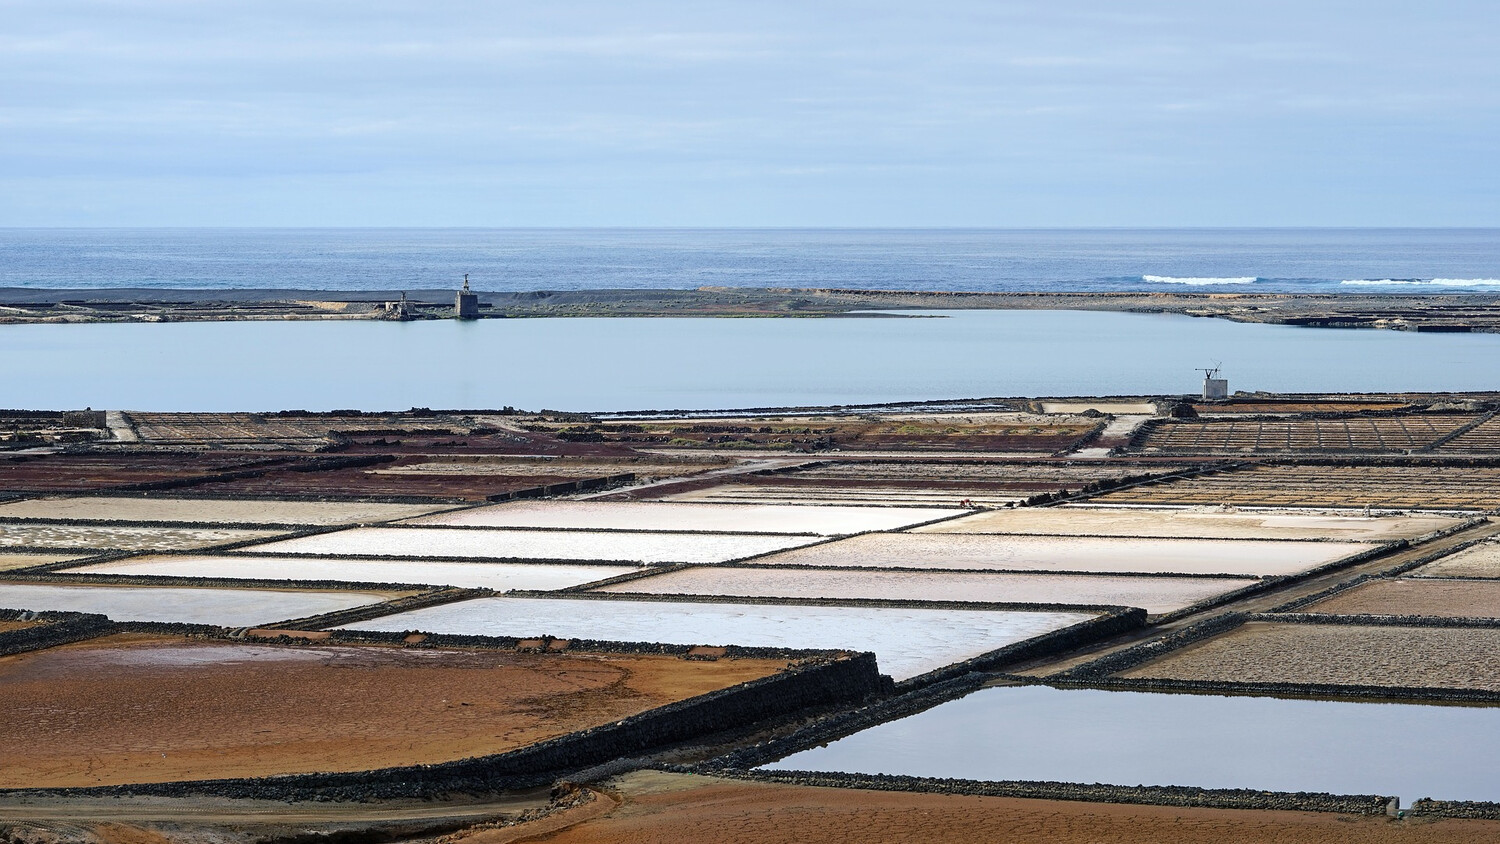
1198 282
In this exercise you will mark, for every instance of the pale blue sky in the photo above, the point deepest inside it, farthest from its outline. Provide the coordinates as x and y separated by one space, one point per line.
700 113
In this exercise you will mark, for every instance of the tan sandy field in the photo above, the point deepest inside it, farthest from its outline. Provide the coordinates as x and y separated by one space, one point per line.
1417 596
1482 560
1341 654
26 561
226 511
133 708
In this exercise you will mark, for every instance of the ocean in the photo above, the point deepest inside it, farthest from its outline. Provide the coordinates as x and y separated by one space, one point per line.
1270 260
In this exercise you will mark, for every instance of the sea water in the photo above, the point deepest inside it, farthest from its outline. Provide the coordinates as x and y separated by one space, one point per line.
1305 260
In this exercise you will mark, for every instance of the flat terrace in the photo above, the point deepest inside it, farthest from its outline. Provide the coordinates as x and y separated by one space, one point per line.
292 430
1002 431
1415 596
1188 522
1474 488
1337 655
1361 434
95 713
913 482
417 477
1483 438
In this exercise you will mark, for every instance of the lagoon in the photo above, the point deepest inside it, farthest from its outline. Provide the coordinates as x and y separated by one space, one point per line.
616 364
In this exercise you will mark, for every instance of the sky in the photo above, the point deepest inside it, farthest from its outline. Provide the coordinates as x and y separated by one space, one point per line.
764 113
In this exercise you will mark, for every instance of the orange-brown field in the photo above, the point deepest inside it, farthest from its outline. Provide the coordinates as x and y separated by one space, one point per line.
132 708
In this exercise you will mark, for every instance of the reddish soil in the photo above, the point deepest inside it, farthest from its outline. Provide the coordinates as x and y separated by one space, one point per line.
470 477
652 808
362 482
86 472
825 432
7 626
150 709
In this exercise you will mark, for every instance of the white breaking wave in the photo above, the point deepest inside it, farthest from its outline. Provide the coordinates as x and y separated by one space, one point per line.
1198 282
1430 282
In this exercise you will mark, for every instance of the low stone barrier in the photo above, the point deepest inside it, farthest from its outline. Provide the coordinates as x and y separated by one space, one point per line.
1157 795
58 628
1474 810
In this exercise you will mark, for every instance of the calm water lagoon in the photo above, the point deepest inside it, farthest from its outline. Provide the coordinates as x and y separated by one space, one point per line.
670 363
1130 738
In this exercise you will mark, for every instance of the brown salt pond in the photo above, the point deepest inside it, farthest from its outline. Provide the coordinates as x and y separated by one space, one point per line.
1154 594
1206 523
1338 654
1416 596
128 709
1257 558
210 510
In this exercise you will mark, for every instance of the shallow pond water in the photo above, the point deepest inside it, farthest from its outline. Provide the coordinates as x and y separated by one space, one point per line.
750 518
185 605
1153 594
1129 738
906 642
498 576
535 544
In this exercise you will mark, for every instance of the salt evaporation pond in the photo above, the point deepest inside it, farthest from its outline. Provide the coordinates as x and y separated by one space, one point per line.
1259 558
1153 594
1192 523
9 561
185 605
210 510
37 535
732 518
481 543
907 642
1478 561
1132 738
498 576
